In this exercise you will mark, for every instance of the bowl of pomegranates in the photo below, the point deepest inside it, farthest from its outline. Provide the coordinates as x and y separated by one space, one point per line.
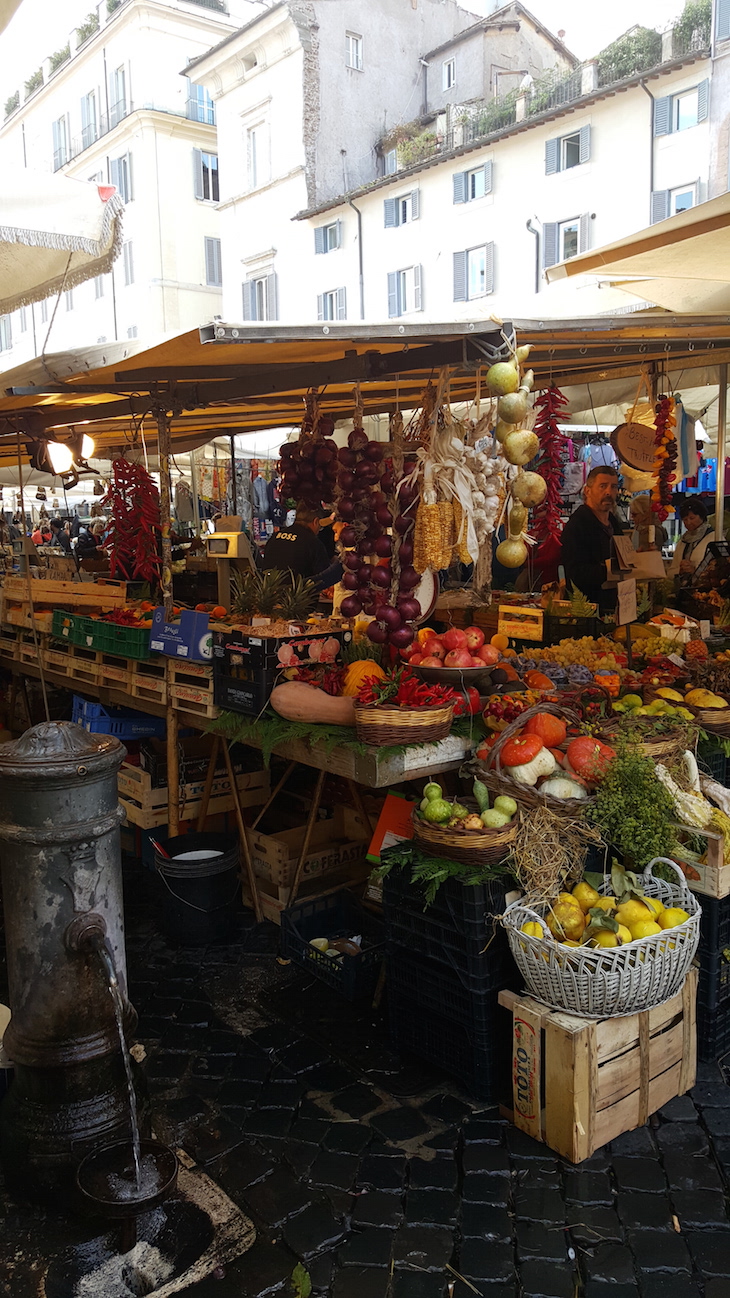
455 657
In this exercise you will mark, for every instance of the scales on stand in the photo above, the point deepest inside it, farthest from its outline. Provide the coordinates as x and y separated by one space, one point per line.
230 547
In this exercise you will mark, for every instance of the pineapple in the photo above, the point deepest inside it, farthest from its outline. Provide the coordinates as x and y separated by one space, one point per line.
244 592
257 592
272 589
296 601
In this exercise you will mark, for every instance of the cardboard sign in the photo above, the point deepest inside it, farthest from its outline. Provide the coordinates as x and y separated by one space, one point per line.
626 602
520 623
644 566
394 825
634 444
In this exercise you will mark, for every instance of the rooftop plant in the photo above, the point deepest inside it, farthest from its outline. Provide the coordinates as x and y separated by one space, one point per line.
61 56
12 103
34 83
87 28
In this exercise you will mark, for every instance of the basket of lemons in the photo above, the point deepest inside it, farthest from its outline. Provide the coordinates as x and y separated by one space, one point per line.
602 953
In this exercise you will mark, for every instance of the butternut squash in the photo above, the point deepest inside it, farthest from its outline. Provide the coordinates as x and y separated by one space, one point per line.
296 701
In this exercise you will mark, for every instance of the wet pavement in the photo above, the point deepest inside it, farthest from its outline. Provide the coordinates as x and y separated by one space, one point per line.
384 1178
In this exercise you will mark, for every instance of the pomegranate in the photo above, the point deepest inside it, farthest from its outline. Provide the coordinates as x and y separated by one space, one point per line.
488 655
474 638
454 638
458 658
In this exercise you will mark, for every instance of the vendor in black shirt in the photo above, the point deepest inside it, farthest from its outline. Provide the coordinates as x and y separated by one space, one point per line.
299 549
587 535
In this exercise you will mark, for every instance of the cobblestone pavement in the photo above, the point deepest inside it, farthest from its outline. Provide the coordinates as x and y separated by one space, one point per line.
383 1178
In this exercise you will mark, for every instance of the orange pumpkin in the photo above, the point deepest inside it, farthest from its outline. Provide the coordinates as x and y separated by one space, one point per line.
357 672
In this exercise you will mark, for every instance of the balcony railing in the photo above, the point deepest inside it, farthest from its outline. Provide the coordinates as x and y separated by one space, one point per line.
94 131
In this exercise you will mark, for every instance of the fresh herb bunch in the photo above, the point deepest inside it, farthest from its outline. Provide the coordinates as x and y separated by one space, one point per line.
432 871
633 809
402 689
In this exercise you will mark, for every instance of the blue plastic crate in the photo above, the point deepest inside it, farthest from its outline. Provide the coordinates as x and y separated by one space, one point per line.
123 723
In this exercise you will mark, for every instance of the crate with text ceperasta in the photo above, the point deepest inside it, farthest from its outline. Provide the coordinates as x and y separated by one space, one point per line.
247 665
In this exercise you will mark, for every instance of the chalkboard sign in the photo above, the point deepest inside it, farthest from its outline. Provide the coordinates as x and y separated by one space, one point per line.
634 445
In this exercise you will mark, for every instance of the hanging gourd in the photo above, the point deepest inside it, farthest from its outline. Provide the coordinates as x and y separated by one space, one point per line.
512 553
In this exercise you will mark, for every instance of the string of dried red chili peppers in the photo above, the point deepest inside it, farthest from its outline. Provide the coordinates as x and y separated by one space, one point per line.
134 504
404 690
551 406
665 457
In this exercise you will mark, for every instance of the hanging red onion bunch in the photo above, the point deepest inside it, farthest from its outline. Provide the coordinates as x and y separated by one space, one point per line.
309 466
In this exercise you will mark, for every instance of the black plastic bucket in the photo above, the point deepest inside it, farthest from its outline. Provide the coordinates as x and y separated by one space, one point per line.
201 897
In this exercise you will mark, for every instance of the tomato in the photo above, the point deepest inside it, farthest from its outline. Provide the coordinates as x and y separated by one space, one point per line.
552 730
523 748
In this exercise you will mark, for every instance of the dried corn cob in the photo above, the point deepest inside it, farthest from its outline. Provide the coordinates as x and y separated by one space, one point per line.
448 533
462 552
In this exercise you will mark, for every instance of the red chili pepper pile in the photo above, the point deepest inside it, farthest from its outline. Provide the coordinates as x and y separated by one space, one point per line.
121 617
404 690
134 503
328 679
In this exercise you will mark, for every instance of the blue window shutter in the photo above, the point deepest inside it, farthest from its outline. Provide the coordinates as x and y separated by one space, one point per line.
722 20
320 306
249 300
488 177
659 205
393 295
552 157
703 100
460 194
418 288
114 172
585 143
489 268
338 234
198 173
390 213
129 195
584 232
460 277
213 262
663 115
272 296
319 240
341 304
415 204
549 243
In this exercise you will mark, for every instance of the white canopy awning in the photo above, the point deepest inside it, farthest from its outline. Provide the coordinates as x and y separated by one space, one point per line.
55 232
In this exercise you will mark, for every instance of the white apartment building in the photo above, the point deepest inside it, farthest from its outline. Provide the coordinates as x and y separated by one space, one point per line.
504 159
111 107
305 94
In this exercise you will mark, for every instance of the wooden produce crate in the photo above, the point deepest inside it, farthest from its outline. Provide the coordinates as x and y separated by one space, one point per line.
148 679
147 807
199 701
86 666
29 647
60 663
78 594
274 899
579 1083
9 643
115 672
196 676
20 615
710 877
335 844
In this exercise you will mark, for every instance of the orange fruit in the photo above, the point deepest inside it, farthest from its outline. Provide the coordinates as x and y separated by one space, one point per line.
219 611
500 642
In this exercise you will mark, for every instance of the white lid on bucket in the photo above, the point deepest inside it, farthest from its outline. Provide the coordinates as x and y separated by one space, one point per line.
203 855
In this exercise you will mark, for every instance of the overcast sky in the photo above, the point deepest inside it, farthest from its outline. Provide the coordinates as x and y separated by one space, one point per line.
42 26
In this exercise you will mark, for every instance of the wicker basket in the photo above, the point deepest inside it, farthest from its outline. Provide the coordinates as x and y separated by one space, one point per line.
608 982
715 720
497 782
381 726
465 845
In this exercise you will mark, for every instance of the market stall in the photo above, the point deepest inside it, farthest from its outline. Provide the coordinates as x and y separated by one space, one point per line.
578 726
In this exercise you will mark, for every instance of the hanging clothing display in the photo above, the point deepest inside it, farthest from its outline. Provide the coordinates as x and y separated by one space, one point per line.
183 502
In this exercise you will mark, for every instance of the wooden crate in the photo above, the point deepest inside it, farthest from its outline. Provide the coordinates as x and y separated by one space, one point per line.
148 680
20 615
579 1083
85 666
78 594
197 701
197 676
274 899
61 664
334 845
9 643
710 877
115 671
147 807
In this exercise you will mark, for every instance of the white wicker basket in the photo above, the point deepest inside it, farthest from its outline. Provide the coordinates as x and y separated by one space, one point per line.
599 983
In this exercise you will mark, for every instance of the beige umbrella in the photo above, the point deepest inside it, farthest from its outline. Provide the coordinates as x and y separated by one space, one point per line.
55 232
7 9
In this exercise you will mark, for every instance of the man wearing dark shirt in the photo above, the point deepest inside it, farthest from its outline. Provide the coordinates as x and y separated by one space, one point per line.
59 536
587 535
298 547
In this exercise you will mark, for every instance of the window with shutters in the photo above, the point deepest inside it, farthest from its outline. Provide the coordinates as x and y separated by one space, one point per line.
402 210
390 162
60 142
6 333
562 240
405 291
568 151
472 184
117 95
98 286
132 331
205 176
68 298
23 314
568 239
722 20
128 262
213 266
120 174
332 305
257 155
682 199
44 311
260 298
474 272
89 121
448 74
327 238
353 51
199 106
682 111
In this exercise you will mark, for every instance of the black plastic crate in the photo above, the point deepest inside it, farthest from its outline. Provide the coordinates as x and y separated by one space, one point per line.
235 648
477 951
713 991
433 1017
464 909
247 696
714 931
556 628
712 760
713 1034
339 915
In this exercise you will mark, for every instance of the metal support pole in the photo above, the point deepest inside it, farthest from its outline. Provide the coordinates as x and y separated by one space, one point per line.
234 494
196 502
173 775
163 450
243 834
721 429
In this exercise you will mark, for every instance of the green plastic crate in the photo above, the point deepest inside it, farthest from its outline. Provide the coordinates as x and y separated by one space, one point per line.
109 638
67 626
